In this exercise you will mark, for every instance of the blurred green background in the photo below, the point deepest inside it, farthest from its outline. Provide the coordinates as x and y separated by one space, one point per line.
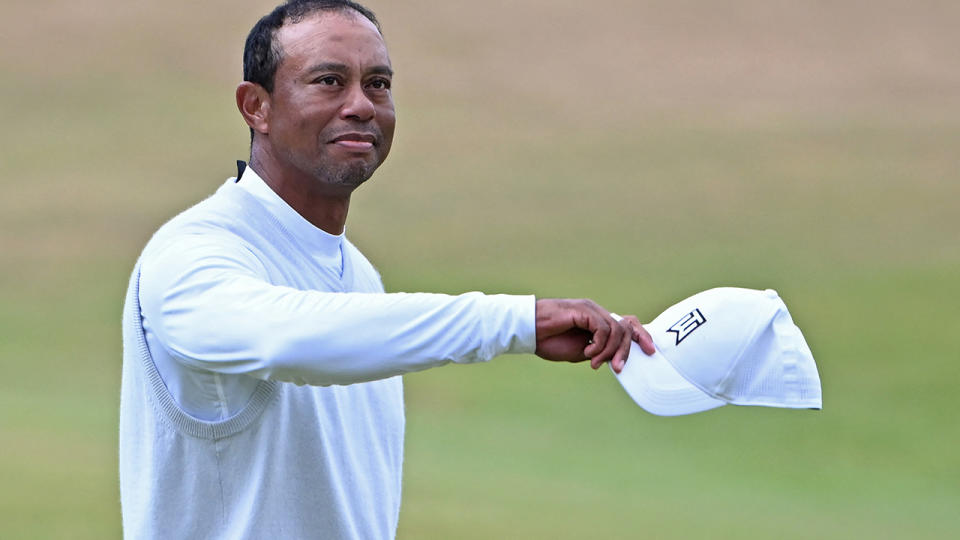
630 152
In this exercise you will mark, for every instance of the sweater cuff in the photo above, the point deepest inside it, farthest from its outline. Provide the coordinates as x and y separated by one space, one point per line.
518 333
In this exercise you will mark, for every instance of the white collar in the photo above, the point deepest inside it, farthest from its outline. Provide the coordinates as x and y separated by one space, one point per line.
322 246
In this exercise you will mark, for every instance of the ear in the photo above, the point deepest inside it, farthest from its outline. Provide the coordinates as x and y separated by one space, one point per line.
253 101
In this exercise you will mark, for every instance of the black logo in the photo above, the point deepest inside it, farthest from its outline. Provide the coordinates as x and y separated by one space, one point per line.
685 326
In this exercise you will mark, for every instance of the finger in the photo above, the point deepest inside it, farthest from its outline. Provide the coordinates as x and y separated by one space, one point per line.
640 335
565 347
601 335
645 340
591 318
623 352
611 346
632 320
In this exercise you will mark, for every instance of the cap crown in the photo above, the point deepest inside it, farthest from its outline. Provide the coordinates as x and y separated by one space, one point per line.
741 346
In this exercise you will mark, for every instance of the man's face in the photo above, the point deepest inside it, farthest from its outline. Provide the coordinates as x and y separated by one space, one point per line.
331 110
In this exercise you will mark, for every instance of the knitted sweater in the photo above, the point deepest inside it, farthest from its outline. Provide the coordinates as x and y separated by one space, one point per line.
317 450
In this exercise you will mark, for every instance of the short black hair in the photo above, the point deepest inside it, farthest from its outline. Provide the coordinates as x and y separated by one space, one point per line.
262 53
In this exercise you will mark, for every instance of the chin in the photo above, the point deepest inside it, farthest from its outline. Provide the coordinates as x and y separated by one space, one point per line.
347 175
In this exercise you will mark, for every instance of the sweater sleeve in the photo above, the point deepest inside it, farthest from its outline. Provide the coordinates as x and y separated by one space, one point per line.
210 306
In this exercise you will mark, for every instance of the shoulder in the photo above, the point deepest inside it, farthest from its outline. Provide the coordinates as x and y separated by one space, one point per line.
221 211
356 257
363 269
215 228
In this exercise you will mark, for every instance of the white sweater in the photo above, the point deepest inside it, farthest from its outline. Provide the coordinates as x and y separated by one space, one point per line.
315 451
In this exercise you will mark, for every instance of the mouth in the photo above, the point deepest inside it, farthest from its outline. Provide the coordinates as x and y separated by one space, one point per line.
355 141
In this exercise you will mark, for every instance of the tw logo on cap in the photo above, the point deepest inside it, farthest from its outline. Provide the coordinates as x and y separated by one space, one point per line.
685 326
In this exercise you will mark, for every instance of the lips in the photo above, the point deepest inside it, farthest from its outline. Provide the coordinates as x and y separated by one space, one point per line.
356 138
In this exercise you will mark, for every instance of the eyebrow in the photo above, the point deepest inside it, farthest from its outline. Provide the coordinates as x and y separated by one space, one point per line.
343 68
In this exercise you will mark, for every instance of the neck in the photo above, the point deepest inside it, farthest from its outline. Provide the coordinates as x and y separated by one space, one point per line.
325 207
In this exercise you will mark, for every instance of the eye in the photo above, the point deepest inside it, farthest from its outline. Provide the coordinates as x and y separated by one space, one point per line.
327 80
379 84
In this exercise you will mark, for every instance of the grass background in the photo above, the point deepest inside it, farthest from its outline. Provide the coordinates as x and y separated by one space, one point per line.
631 152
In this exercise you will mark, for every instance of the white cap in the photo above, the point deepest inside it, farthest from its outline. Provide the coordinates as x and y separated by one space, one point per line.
724 345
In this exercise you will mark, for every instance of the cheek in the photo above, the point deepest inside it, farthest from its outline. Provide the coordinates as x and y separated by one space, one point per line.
387 119
308 116
302 125
308 128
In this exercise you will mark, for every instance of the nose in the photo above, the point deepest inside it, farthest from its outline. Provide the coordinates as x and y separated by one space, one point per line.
357 105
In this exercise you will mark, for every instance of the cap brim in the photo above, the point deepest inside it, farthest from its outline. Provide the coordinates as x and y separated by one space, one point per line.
655 385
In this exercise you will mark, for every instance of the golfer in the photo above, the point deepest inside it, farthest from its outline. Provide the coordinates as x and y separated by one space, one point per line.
261 393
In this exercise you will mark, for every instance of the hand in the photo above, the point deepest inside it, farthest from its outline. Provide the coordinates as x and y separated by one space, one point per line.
578 330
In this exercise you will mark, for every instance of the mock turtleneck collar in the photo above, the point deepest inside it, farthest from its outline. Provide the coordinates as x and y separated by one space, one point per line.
323 246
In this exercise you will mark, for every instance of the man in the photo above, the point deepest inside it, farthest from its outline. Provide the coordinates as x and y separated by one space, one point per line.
261 394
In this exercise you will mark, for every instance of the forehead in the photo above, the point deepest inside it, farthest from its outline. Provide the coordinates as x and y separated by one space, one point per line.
345 37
